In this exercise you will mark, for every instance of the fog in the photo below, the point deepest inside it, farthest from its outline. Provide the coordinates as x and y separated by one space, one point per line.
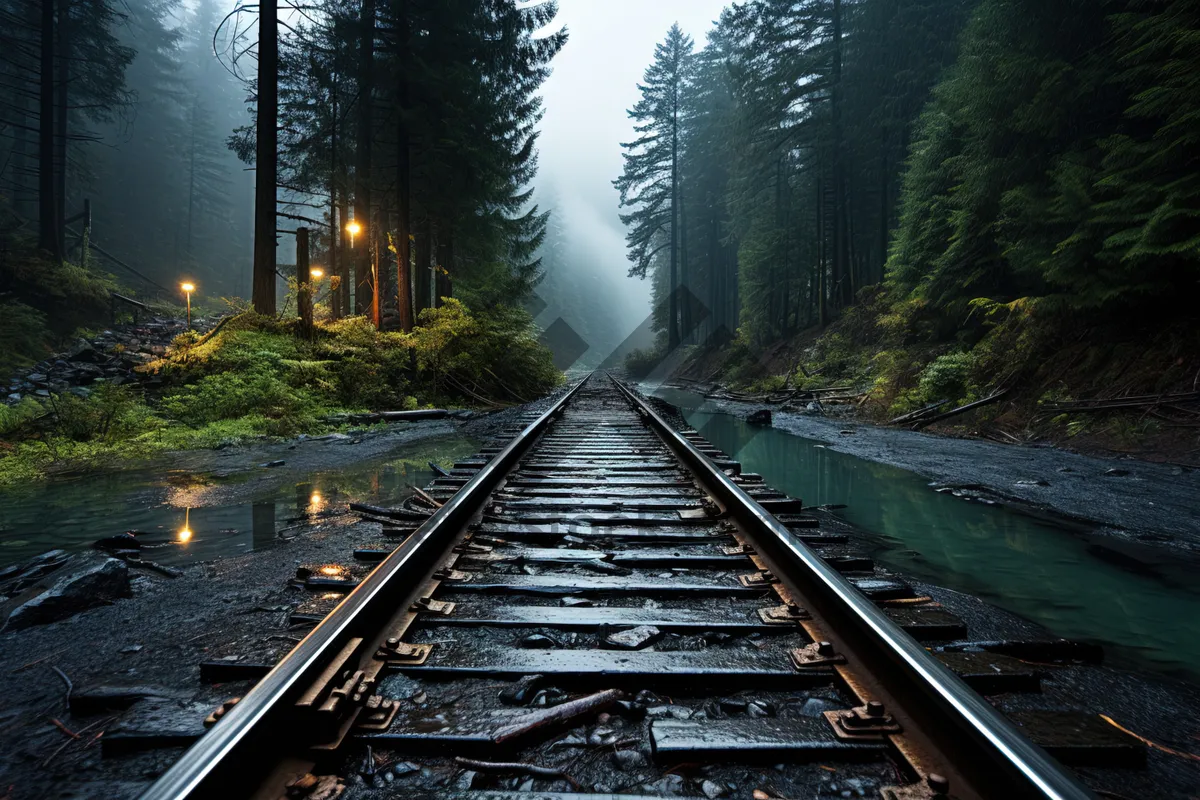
594 82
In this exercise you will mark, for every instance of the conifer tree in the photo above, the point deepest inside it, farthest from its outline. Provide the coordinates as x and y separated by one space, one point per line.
649 183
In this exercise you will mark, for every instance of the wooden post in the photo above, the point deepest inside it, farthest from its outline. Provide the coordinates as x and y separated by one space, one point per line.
266 158
304 286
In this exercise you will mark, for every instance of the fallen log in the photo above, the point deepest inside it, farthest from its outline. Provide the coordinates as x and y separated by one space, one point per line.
913 416
954 412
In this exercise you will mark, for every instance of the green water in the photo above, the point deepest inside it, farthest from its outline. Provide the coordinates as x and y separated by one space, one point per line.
160 505
1071 581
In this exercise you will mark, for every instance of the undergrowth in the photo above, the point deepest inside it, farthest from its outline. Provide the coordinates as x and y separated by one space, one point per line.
256 377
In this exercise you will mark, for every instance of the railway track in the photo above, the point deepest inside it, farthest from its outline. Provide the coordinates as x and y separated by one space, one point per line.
602 606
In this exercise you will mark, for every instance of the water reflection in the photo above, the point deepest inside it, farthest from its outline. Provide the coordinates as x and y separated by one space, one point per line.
182 517
1074 583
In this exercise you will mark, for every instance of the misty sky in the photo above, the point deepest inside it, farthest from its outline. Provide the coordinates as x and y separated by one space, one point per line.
594 81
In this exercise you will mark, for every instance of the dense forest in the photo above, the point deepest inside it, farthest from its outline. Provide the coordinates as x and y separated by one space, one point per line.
972 186
354 179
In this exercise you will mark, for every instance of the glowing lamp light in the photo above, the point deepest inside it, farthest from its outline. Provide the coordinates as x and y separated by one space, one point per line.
315 499
317 273
188 288
353 228
185 536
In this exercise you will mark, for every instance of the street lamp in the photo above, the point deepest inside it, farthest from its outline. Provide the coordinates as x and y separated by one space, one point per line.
316 273
353 228
188 289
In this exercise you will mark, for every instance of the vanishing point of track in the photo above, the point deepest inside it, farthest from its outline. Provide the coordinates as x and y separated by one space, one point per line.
603 595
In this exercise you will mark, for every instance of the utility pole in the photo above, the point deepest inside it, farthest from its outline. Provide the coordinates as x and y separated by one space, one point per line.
266 158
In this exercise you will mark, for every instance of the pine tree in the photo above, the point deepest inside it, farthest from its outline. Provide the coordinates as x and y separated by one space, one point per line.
650 181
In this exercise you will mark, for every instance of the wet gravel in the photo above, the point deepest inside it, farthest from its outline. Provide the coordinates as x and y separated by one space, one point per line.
240 608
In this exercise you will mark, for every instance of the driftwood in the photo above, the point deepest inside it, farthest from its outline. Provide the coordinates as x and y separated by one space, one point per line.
913 416
954 412
509 766
1118 403
428 498
566 713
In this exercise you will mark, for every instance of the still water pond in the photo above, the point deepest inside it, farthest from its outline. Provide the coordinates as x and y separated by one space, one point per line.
1067 580
183 517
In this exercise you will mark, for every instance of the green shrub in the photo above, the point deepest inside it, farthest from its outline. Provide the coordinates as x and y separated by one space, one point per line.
946 378
23 335
640 363
230 395
13 418
107 414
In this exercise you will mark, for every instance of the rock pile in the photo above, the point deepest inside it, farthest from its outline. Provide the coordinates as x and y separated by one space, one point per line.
109 357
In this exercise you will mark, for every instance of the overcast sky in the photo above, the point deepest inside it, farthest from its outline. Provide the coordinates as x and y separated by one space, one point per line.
594 81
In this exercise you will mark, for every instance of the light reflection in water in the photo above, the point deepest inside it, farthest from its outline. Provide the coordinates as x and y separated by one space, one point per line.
148 501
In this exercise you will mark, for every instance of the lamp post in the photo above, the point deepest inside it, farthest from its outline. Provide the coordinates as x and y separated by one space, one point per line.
188 288
353 228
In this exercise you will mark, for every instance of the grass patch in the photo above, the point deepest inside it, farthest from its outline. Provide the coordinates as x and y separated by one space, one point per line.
257 377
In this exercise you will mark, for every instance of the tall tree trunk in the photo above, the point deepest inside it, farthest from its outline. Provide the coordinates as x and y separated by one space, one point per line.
362 167
344 284
404 296
266 158
47 235
404 291
884 213
187 243
841 267
442 284
422 270
672 289
335 296
61 123
822 312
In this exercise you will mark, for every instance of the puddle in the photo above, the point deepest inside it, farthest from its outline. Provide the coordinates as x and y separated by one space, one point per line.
1140 603
184 518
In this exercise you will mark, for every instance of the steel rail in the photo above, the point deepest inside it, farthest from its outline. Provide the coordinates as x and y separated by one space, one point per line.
239 746
992 752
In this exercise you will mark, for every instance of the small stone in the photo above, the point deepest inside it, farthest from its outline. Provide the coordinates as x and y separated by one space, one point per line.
634 638
602 736
712 790
575 602
758 709
1116 473
817 706
404 768
133 648
762 417
846 433
464 780
629 759
269 464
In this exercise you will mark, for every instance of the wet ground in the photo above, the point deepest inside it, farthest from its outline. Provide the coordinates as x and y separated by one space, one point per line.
1153 503
200 505
1080 581
239 605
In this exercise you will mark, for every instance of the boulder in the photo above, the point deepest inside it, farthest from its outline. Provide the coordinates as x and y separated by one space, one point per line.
121 541
762 417
92 583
